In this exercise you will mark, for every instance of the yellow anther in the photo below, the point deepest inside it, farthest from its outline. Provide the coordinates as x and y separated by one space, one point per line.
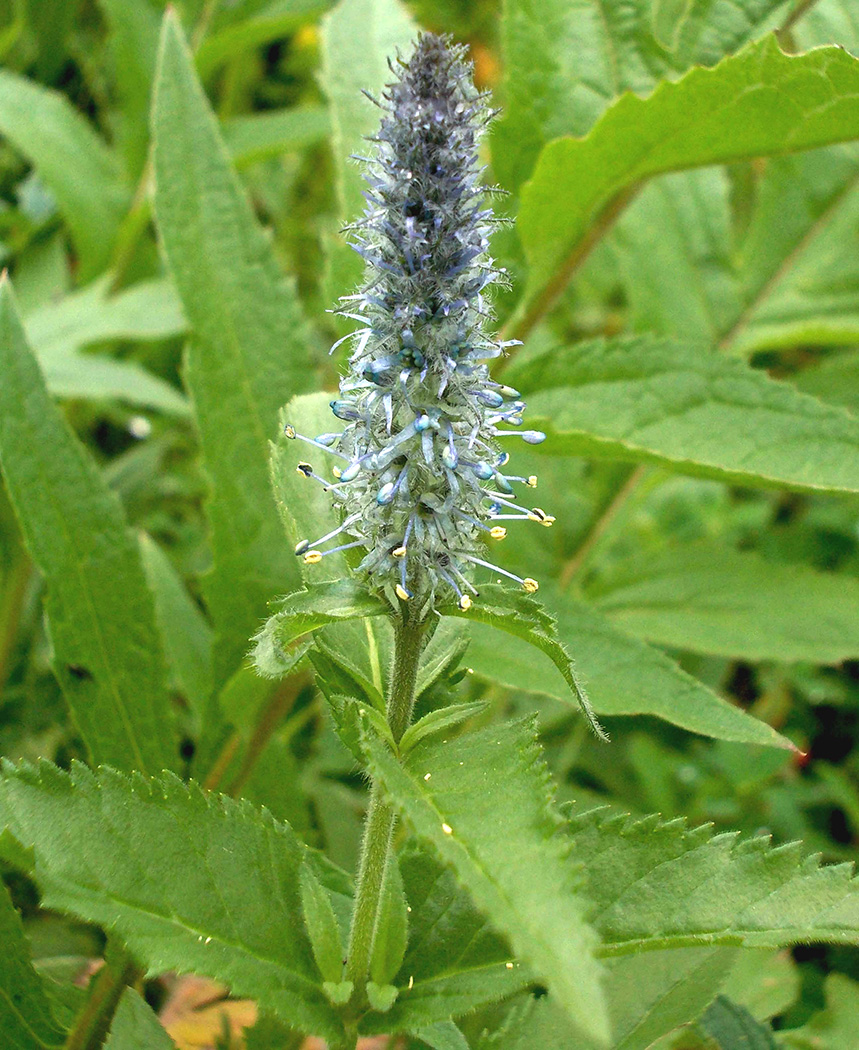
301 547
399 552
531 586
498 532
532 481
305 468
312 557
402 593
289 431
465 603
534 516
336 471
541 514
549 521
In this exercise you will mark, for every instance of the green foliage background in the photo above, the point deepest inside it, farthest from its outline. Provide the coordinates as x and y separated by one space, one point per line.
683 185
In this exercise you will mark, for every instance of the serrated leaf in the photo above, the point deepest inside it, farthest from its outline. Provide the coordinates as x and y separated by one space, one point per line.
485 809
438 721
107 653
656 885
252 139
709 598
247 354
758 102
25 1014
135 1026
657 400
565 62
391 930
624 676
306 611
321 925
74 163
522 616
189 882
732 1027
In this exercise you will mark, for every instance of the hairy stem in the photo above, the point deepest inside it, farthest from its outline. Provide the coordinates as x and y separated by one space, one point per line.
93 1022
379 826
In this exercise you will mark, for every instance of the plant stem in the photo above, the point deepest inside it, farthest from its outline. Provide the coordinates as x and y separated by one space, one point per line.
93 1022
379 826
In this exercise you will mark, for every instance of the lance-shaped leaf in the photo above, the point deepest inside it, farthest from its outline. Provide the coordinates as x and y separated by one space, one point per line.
656 885
483 802
74 163
758 102
25 1015
248 352
709 598
190 882
518 614
306 611
662 401
624 675
106 649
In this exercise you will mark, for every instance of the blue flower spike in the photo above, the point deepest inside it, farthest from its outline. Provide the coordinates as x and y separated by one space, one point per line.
421 482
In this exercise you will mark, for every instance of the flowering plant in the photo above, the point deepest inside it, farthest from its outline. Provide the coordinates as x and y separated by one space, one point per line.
396 821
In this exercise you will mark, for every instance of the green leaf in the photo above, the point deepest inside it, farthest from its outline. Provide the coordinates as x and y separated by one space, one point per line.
835 379
798 275
73 162
277 18
791 280
135 1026
392 928
522 616
656 885
732 1027
709 598
321 925
190 882
443 1036
756 103
263 135
306 509
485 808
147 310
185 634
247 354
765 982
624 676
565 61
106 649
438 721
306 611
25 1015
381 996
656 400
833 1028
133 41
455 961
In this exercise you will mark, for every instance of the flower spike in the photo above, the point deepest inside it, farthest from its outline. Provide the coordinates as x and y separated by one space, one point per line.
422 483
